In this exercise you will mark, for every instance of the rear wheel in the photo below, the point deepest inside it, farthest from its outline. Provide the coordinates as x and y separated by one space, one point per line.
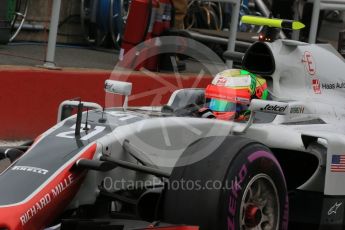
239 186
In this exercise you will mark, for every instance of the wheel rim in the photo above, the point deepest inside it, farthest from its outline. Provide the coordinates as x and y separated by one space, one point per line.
260 204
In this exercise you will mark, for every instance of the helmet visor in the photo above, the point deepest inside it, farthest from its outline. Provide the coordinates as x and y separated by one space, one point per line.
224 106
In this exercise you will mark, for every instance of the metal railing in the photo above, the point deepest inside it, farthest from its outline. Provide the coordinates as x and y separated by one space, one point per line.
236 6
322 5
53 30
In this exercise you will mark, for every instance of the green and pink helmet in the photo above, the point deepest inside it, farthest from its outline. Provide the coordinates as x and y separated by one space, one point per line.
231 91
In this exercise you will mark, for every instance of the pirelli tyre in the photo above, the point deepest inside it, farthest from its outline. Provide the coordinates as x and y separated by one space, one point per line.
239 186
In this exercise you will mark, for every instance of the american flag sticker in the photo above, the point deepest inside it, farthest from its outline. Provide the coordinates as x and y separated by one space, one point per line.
338 163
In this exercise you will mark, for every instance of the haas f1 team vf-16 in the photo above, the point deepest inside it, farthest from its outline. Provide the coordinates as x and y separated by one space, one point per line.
124 168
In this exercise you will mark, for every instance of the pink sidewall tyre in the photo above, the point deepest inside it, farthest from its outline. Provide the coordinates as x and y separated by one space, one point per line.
238 186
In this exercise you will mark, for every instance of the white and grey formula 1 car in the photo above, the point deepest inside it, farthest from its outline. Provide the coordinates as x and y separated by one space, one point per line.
125 168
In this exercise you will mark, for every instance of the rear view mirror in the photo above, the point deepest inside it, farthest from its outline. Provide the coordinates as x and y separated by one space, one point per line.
119 87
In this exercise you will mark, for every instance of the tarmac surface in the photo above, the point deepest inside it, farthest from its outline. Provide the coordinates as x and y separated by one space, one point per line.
33 54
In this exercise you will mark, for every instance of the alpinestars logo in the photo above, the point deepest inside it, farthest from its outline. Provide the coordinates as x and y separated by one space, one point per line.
334 208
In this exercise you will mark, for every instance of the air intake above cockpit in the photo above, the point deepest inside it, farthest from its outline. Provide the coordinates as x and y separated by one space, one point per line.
259 59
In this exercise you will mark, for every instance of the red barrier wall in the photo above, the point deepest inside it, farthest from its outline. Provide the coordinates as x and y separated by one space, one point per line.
29 98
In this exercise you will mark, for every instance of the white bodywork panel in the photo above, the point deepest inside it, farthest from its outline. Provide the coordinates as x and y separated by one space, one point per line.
308 88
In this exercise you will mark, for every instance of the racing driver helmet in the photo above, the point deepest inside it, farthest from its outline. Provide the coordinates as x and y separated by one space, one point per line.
230 93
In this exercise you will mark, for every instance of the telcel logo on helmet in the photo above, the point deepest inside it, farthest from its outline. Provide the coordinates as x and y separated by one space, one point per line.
274 108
